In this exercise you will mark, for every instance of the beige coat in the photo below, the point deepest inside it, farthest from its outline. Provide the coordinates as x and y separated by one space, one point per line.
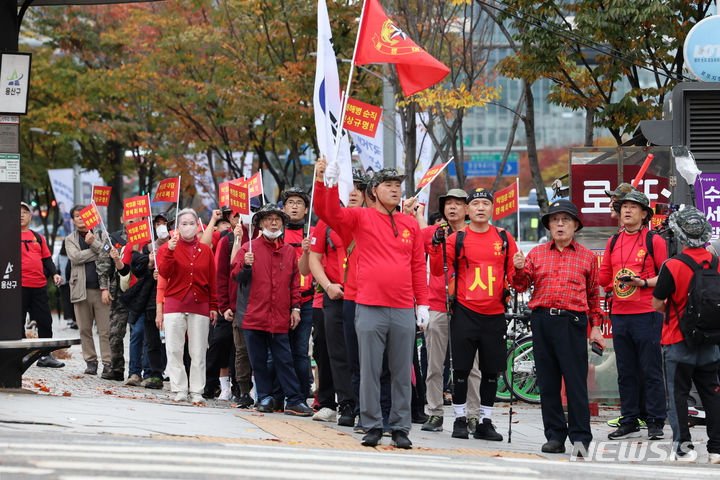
78 258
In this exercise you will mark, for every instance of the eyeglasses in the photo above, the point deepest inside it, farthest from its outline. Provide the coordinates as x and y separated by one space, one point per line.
298 203
564 219
273 219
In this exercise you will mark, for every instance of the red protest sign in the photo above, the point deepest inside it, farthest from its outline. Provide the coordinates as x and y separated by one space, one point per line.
362 118
168 190
138 232
431 174
254 185
506 202
90 216
101 196
224 189
239 198
136 207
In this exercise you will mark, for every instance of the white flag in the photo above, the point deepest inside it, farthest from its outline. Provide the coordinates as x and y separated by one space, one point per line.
327 105
370 150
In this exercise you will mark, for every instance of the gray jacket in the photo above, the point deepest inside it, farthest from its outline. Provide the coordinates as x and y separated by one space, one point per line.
78 259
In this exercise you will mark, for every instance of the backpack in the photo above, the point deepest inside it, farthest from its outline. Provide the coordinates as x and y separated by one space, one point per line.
648 242
459 239
700 322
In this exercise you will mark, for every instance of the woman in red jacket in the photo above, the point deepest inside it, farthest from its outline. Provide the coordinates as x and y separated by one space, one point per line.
190 304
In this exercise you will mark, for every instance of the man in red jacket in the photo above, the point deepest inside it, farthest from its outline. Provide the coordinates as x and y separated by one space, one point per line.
268 306
392 279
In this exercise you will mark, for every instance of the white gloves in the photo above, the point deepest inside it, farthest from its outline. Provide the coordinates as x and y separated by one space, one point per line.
423 316
332 173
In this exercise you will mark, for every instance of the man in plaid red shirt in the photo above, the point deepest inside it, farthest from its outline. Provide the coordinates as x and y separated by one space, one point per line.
565 297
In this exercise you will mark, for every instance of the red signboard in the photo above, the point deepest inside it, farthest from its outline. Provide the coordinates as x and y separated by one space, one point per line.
362 118
136 207
506 202
589 183
101 195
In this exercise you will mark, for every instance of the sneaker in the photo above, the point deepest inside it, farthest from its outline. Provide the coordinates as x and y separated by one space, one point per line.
299 410
714 458
400 439
486 431
134 380
614 422
347 416
48 361
472 424
266 405
625 430
325 414
460 428
91 368
73 325
372 437
197 398
641 423
358 428
155 383
244 401
553 446
655 431
181 396
689 457
433 424
225 395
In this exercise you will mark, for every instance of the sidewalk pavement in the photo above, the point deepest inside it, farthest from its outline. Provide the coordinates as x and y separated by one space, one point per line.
65 400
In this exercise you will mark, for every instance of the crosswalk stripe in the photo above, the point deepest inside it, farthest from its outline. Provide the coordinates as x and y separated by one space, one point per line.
661 469
24 470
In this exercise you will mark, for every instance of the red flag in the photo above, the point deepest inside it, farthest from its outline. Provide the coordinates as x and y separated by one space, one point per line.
101 195
506 202
136 207
431 174
168 190
90 216
138 232
254 185
225 188
239 198
381 41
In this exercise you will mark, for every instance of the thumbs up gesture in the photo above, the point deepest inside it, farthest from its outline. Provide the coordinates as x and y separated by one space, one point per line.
519 260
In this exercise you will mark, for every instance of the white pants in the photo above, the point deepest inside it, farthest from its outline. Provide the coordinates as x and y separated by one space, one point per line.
197 328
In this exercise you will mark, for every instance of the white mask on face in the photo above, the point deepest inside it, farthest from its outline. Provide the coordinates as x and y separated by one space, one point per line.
162 232
187 231
271 235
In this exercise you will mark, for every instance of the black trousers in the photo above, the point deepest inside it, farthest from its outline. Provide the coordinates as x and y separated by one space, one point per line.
337 351
325 388
220 348
560 349
35 300
153 345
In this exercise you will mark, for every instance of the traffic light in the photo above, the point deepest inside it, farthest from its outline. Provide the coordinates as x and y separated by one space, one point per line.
33 203
53 203
43 213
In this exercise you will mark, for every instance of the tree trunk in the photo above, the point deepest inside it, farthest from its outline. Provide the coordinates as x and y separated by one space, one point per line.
116 156
410 135
529 121
511 140
589 124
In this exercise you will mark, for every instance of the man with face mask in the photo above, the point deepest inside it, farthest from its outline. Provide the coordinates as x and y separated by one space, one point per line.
392 279
268 307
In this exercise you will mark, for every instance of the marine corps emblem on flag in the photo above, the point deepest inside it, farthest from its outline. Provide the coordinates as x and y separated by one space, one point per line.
390 34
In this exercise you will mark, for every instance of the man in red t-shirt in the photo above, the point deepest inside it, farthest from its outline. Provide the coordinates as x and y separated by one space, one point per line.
684 363
37 264
478 322
630 271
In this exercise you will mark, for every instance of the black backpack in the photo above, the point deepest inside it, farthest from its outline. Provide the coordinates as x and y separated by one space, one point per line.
700 322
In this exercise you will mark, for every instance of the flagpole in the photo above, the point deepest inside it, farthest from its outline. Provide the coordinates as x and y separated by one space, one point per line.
152 233
517 200
436 175
250 231
177 204
102 223
262 189
312 199
343 100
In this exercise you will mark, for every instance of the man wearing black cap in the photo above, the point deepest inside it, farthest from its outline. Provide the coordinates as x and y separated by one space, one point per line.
630 264
482 255
565 297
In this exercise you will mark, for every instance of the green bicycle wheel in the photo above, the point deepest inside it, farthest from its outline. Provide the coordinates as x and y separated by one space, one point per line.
524 379
502 394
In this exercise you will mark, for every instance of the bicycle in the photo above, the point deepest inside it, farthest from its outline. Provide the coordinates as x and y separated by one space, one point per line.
520 361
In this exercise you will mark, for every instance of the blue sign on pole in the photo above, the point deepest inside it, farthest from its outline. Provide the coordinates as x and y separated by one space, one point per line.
702 49
487 165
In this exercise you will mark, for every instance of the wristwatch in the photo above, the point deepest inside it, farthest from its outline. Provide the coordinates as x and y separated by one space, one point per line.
646 284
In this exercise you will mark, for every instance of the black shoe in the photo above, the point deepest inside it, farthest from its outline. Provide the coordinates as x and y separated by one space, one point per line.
107 373
433 424
655 431
49 361
419 417
209 394
400 439
266 405
73 325
299 410
625 430
244 401
553 446
91 368
372 437
347 417
460 428
486 431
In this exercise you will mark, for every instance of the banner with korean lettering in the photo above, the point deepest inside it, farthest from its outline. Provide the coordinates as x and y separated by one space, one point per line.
239 198
254 185
588 185
136 207
224 189
168 190
90 216
138 233
430 175
707 199
362 118
506 202
101 195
